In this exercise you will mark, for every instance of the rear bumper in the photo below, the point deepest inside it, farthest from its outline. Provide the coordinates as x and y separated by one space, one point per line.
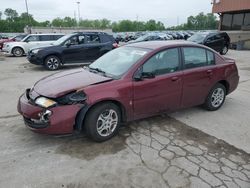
61 120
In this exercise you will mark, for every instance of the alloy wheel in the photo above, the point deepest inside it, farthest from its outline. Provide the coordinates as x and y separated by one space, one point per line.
17 52
53 63
217 97
107 122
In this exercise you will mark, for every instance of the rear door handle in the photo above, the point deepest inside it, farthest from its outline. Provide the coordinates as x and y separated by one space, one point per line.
210 72
175 78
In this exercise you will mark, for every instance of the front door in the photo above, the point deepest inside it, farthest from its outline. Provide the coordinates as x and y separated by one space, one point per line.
74 50
160 86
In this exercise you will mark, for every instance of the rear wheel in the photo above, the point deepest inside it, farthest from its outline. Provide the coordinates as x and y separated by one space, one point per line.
224 50
17 52
216 97
103 122
52 63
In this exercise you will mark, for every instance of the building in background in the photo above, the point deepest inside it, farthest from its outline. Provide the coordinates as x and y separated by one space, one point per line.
235 20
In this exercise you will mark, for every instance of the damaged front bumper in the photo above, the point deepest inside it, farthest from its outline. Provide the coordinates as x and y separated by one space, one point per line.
56 120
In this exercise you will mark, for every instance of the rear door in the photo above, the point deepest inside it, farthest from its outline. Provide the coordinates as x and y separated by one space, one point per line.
93 47
199 75
163 92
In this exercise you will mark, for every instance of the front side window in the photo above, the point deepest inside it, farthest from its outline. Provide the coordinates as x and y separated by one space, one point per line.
32 38
75 40
194 57
163 62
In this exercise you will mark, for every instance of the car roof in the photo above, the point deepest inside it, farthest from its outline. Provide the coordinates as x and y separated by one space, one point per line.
154 45
90 32
48 34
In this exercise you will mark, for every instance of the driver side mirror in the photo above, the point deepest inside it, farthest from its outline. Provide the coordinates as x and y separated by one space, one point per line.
139 76
68 44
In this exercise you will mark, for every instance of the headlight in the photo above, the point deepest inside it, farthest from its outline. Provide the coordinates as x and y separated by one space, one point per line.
72 98
44 102
35 51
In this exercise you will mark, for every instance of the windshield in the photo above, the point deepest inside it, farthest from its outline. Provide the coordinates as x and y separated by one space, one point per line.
118 61
23 40
62 39
198 37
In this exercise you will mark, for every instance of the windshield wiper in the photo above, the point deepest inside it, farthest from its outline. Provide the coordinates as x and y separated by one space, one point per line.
97 70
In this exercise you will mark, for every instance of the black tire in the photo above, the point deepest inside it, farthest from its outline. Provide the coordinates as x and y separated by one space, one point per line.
52 63
17 52
224 50
216 97
93 120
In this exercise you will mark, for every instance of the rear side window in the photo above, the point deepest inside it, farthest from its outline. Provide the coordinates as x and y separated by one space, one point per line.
46 38
210 58
194 57
56 37
92 39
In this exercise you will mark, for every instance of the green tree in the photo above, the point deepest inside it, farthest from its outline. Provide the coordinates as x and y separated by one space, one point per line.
199 22
10 14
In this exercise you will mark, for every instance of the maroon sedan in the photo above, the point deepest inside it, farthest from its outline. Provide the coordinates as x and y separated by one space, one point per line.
132 82
14 39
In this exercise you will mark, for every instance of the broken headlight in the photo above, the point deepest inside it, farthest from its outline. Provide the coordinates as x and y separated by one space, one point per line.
72 98
45 102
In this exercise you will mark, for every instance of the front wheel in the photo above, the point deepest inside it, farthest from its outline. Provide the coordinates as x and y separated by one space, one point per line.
52 63
17 52
216 97
103 122
224 50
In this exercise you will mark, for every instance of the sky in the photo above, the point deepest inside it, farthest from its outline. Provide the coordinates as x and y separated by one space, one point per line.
170 12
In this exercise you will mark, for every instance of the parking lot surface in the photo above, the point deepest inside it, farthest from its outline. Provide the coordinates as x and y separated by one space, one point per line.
190 148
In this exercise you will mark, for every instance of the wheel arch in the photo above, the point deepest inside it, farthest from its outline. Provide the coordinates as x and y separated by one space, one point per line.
226 84
81 115
52 54
17 47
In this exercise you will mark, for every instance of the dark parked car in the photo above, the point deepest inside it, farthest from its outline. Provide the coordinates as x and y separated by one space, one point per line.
131 82
71 49
13 39
219 41
148 37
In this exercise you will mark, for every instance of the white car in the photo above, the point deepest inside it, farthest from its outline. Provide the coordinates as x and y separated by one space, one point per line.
21 48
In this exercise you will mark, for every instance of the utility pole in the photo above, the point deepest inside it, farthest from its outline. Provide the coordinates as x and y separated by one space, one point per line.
137 24
78 6
75 18
27 10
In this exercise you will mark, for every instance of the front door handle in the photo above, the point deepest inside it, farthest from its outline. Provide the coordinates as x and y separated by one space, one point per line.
175 78
209 72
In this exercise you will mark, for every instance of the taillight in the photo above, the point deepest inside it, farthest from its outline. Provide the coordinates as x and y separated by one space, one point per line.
115 45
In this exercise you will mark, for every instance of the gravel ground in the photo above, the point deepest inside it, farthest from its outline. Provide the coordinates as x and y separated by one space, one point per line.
156 152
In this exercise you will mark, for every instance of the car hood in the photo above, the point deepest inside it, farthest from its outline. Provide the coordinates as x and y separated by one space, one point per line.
59 84
15 43
5 40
